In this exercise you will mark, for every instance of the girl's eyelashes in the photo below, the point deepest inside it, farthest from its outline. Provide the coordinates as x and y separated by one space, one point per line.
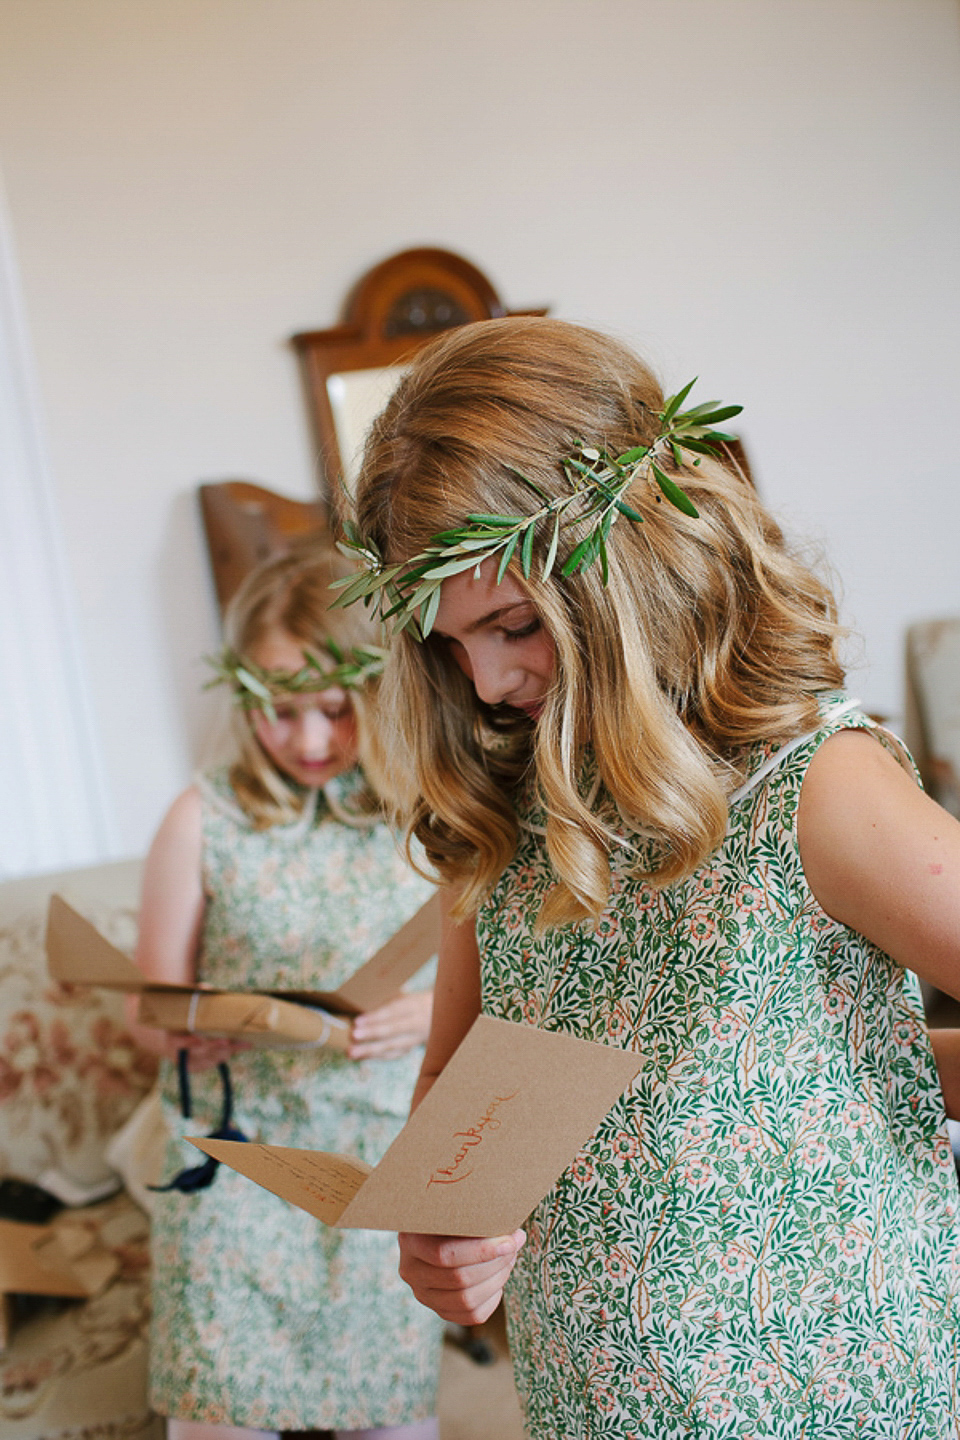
521 633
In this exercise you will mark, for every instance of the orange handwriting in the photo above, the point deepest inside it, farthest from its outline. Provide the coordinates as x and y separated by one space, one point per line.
452 1174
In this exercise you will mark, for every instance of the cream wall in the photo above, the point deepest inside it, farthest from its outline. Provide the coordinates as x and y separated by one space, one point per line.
764 194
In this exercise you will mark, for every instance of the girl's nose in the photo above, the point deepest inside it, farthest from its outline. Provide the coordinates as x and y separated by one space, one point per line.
315 733
492 679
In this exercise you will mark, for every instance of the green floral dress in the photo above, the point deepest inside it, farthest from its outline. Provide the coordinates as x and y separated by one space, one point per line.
262 1316
761 1238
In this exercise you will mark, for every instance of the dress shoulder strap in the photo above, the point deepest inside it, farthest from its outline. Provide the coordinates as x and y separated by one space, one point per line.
843 713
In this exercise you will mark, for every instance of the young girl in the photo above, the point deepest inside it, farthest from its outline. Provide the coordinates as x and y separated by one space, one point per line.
663 826
280 873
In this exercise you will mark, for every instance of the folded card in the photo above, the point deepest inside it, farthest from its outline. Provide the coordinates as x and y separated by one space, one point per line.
60 1258
78 954
505 1118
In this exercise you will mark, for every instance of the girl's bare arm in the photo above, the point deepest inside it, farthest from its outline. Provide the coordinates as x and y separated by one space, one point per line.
883 858
171 915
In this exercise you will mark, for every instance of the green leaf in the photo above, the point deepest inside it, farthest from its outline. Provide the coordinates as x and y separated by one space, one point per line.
674 403
677 497
451 567
495 520
480 542
429 613
630 457
700 446
526 557
577 555
713 414
629 511
552 552
583 469
250 682
507 555
604 567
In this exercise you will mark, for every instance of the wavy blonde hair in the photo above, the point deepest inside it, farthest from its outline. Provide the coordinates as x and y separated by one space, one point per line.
291 592
709 636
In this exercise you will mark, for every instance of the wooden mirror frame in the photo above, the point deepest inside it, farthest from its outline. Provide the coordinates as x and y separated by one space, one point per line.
392 311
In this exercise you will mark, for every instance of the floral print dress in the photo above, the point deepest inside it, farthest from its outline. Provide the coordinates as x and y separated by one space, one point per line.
761 1238
263 1317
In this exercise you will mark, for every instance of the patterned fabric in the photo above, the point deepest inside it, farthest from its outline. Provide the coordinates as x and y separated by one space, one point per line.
79 1372
761 1238
70 1072
264 1317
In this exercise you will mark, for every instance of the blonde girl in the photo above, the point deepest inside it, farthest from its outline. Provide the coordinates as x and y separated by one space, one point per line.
663 825
279 872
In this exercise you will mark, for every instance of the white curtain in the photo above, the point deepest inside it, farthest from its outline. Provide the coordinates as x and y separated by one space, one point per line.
54 807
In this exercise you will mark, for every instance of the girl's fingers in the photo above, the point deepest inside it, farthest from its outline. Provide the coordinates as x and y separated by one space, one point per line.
406 1015
450 1252
389 1049
461 1279
467 1307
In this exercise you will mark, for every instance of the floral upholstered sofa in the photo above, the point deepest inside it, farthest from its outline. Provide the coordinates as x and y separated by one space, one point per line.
70 1076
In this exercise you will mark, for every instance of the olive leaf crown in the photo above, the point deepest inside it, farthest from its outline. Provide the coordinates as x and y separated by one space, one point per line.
255 688
408 594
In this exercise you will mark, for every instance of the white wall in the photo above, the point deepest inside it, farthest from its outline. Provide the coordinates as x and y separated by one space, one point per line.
764 194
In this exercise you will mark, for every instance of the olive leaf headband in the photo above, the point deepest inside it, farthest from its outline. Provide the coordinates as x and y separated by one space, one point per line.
409 593
256 689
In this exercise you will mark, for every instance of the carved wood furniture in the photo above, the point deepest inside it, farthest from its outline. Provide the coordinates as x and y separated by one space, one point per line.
245 524
392 311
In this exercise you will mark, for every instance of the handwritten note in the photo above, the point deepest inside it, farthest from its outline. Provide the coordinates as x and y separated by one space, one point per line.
509 1114
458 1169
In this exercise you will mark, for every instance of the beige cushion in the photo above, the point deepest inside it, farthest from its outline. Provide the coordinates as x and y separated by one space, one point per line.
70 1073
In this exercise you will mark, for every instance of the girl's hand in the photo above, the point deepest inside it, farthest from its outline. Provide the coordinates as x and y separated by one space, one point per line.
462 1280
393 1029
204 1051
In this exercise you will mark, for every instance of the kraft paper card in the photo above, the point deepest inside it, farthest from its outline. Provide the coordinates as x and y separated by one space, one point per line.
78 954
501 1123
60 1259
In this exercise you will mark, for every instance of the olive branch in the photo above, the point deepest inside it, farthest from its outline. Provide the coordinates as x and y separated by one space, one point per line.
256 688
409 593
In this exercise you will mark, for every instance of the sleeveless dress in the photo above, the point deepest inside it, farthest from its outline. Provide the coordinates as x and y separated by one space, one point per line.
761 1238
262 1316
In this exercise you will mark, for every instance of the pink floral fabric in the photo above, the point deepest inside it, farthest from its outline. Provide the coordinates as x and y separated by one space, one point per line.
70 1073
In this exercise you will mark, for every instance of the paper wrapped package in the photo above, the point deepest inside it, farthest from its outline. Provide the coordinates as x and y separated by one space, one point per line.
77 954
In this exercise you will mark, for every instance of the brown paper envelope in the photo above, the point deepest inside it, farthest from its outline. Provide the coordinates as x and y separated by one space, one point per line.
256 1018
501 1123
396 962
26 1269
79 1254
78 954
